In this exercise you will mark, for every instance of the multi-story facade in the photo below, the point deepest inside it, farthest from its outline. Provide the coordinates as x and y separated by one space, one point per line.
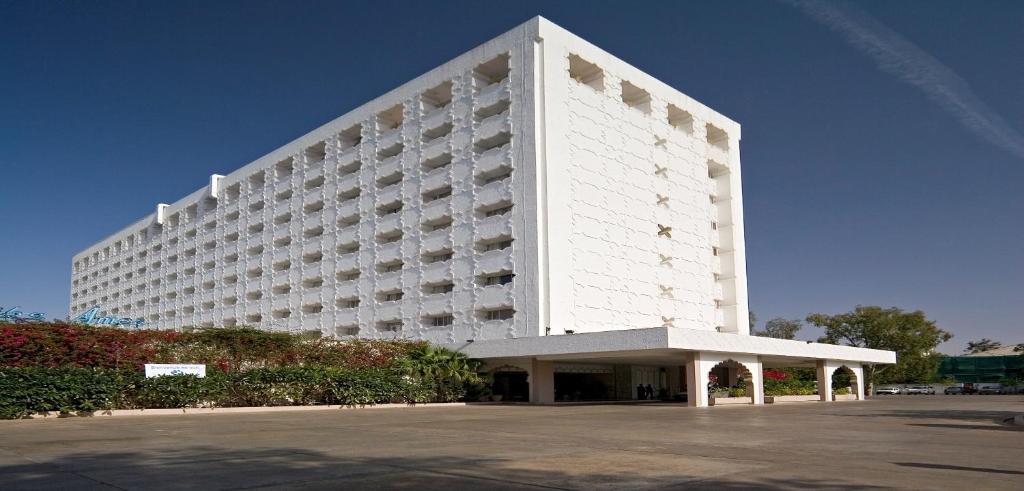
535 186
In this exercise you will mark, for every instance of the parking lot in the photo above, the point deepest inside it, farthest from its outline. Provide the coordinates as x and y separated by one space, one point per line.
909 442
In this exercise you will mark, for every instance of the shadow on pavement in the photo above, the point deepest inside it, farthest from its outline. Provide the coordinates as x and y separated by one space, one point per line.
204 467
958 468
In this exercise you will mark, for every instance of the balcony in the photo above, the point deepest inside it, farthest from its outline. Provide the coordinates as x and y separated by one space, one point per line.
435 148
493 125
494 193
436 272
492 262
389 223
718 154
348 209
345 317
315 244
348 156
347 289
310 271
437 240
388 311
389 281
389 138
493 227
495 296
494 159
492 94
347 262
436 210
348 182
254 285
390 194
437 178
390 252
389 166
436 303
348 234
281 253
437 117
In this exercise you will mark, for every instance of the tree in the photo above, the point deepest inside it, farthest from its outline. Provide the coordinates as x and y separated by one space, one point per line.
780 328
1019 348
910 334
751 319
985 344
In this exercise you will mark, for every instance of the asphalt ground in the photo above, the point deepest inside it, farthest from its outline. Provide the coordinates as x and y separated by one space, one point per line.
906 442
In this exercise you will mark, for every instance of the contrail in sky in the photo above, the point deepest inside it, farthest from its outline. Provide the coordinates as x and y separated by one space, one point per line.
900 57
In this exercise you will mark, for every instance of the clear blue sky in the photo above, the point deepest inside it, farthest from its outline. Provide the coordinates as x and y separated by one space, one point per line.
882 151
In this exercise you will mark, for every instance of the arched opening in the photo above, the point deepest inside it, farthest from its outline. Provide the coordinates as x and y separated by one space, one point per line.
510 383
730 382
845 385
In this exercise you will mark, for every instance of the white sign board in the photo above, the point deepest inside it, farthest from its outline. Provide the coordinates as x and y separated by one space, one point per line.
158 369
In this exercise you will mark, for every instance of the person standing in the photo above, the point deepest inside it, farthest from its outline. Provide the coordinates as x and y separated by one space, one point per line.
641 392
650 392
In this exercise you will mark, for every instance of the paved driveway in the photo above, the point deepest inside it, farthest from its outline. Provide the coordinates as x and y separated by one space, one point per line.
912 442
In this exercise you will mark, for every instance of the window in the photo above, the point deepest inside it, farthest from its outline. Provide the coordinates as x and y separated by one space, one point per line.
481 146
255 229
390 326
436 97
313 232
283 169
348 248
586 73
717 137
635 97
389 209
349 168
312 257
389 237
392 296
494 109
253 318
390 267
314 183
283 241
284 195
256 181
348 303
496 245
312 308
499 314
316 153
439 257
501 210
680 119
282 289
347 330
348 195
432 134
437 194
492 71
350 137
390 118
256 295
441 320
255 250
282 265
498 279
313 207
440 288
443 160
388 180
348 275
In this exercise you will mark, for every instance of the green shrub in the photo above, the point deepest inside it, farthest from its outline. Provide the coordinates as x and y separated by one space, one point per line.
737 392
29 390
789 387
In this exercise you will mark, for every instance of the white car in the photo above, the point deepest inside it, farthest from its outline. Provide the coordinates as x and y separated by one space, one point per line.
888 389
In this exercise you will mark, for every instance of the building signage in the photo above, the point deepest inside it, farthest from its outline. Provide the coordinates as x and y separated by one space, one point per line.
91 317
161 369
15 315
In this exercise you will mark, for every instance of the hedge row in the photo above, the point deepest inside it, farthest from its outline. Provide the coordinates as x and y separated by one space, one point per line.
71 390
228 349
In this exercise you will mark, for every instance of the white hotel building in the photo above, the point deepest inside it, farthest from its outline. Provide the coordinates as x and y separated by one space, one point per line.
535 202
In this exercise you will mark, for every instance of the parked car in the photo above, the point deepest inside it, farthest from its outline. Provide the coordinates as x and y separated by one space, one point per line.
954 389
989 388
888 389
920 389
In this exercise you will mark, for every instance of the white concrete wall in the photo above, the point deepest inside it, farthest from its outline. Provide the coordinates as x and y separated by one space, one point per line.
587 172
614 174
207 244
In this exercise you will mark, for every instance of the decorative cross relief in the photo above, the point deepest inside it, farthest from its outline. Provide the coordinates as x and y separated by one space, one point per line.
659 141
662 200
668 321
666 291
666 260
664 231
661 171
